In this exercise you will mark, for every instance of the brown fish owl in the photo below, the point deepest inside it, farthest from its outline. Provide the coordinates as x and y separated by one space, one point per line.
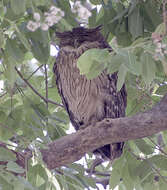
87 101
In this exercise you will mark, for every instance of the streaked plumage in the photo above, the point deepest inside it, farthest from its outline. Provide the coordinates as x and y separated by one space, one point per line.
87 101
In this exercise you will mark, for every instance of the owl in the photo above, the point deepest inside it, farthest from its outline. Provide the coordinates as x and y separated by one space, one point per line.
88 101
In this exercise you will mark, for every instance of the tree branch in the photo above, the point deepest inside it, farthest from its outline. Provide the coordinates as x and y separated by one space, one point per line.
35 91
72 147
46 84
34 72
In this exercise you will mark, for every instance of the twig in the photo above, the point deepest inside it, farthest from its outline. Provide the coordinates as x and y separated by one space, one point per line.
35 91
156 170
103 181
97 173
95 163
46 84
34 72
159 148
6 144
3 94
149 163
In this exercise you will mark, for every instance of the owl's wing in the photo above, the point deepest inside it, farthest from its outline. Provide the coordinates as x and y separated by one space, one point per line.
60 90
114 102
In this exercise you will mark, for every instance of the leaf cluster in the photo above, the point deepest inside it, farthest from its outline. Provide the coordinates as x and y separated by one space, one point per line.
28 121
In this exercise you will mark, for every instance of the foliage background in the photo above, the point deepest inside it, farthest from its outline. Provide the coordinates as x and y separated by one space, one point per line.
31 114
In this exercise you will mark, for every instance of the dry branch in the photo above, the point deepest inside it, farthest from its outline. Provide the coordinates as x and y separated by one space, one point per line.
72 147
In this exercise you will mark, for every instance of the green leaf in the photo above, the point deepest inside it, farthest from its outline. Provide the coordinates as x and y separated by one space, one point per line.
160 161
162 185
138 185
93 58
2 39
40 2
124 38
26 184
18 185
40 51
114 63
61 116
65 25
127 180
135 23
132 163
143 170
121 77
8 177
129 60
88 181
77 167
122 187
18 6
148 67
13 51
151 13
149 186
96 2
23 39
34 173
4 185
41 110
95 70
132 63
14 167
144 147
160 29
69 16
114 179
92 18
6 155
162 90
11 75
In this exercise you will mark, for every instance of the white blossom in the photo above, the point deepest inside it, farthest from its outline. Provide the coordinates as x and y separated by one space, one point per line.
36 17
159 45
46 14
38 24
53 16
49 20
84 13
57 19
32 26
61 13
77 4
163 45
44 26
54 9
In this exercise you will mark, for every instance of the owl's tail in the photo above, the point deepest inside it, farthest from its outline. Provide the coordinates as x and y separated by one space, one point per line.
110 151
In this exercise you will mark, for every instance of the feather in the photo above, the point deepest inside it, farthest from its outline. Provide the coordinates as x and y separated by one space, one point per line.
88 101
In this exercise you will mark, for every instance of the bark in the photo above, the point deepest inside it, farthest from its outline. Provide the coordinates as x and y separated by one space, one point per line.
72 147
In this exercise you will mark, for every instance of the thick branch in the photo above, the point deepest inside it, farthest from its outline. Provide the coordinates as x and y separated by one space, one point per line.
72 147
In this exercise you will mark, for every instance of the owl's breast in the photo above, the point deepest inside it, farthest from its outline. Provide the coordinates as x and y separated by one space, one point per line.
87 101
84 97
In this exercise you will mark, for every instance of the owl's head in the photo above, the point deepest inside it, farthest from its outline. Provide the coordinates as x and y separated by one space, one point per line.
79 35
